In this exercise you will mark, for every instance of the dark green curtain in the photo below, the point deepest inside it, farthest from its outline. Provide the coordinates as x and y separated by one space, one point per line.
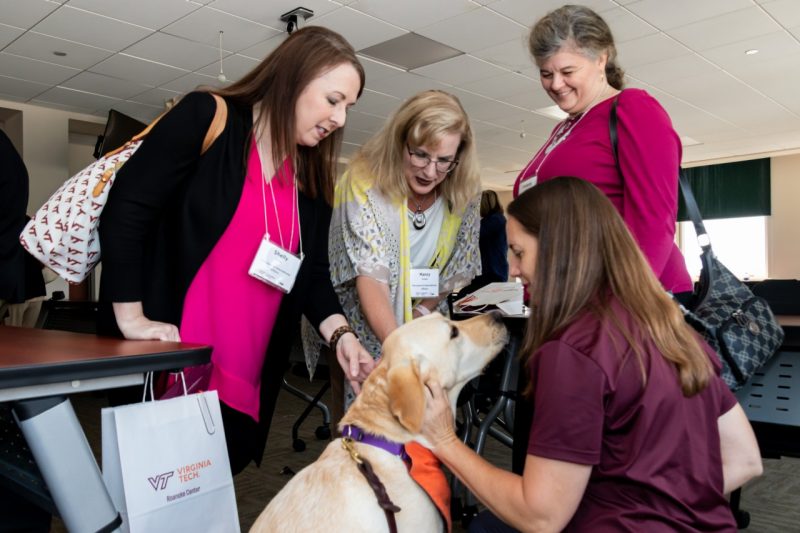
729 190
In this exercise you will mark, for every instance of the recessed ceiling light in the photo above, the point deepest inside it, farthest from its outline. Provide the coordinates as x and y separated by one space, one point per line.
751 52
552 111
59 54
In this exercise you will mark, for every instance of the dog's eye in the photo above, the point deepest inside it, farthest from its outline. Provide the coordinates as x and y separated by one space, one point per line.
453 332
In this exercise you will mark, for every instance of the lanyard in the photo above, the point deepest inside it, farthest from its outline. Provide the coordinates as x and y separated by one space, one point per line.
295 207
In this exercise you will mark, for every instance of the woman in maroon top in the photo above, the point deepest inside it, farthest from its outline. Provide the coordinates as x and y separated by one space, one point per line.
633 429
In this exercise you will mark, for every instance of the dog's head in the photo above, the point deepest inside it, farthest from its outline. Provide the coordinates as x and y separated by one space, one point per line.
435 348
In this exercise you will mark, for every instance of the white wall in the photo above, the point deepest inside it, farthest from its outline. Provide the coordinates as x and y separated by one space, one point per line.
45 147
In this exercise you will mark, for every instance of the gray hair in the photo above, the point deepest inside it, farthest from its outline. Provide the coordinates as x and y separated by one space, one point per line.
577 27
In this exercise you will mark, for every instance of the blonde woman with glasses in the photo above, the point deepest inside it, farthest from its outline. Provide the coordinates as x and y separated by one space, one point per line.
405 224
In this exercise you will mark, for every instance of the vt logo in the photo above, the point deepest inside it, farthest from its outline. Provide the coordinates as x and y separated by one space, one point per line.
159 482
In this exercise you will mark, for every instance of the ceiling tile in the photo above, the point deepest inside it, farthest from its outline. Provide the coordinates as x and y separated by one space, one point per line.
724 29
204 25
376 71
772 46
80 99
626 26
145 113
412 14
474 30
21 88
406 85
153 14
359 29
364 121
25 13
261 50
377 104
90 29
787 12
155 97
34 70
650 49
527 12
138 70
675 13
105 85
677 68
192 81
270 13
8 34
512 55
502 85
234 67
38 46
532 98
174 51
460 69
354 136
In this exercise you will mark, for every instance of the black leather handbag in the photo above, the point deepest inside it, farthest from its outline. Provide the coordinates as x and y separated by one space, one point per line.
737 324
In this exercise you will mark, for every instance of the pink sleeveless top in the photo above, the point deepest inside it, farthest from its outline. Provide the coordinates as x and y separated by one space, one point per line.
226 307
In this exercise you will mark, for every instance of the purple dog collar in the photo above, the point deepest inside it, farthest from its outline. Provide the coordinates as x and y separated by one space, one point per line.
395 448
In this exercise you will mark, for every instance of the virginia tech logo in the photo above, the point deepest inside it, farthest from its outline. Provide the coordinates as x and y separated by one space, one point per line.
159 482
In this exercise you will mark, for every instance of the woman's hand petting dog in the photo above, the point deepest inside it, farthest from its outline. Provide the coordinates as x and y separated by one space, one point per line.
437 424
355 360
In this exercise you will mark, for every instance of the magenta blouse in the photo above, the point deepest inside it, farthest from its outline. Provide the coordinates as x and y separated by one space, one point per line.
647 195
226 307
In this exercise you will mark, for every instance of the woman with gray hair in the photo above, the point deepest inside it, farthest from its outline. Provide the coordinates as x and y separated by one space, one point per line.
577 59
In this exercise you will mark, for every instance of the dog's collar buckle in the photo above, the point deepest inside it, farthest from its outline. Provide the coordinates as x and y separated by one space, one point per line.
347 444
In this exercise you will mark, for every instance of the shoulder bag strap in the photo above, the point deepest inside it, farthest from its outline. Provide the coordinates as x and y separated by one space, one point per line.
686 189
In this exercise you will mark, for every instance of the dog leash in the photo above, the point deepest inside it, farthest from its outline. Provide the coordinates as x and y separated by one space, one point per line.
384 501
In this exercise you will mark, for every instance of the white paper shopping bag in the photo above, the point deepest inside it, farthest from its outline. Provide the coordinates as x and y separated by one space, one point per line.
165 464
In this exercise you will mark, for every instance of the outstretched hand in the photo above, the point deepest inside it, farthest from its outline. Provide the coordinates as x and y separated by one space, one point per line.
437 423
354 359
141 328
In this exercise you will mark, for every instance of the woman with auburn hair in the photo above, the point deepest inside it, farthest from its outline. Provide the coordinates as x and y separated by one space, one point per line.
633 429
190 241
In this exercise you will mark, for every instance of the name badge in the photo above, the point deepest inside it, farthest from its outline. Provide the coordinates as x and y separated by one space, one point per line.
526 184
424 282
275 266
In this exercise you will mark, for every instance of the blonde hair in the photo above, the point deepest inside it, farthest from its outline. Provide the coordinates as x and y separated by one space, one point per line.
585 254
422 120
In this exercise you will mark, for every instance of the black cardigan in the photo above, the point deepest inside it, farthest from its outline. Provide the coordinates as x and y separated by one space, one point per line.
168 208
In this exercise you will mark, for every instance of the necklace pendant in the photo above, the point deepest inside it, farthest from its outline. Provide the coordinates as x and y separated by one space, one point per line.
419 220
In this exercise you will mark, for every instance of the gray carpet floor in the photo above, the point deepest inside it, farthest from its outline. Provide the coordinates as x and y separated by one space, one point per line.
773 500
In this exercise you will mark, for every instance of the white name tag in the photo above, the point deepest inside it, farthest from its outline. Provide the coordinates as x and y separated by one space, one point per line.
275 266
424 282
527 183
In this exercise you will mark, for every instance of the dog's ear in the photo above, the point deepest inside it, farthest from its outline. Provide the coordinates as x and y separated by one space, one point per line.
406 394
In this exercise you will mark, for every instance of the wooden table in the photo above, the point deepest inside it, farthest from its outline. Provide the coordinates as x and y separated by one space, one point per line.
788 320
38 368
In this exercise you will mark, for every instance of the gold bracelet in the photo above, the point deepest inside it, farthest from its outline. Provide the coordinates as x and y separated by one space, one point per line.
337 334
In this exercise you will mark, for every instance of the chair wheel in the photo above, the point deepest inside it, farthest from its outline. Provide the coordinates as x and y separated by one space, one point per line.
299 445
742 519
323 432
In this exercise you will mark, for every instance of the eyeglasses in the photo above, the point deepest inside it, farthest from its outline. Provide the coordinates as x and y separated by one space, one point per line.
422 160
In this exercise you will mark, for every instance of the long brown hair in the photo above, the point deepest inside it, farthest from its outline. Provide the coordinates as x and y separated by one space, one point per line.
585 254
423 119
578 28
276 84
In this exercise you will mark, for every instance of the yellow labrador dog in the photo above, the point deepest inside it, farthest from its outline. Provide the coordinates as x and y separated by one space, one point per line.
331 495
